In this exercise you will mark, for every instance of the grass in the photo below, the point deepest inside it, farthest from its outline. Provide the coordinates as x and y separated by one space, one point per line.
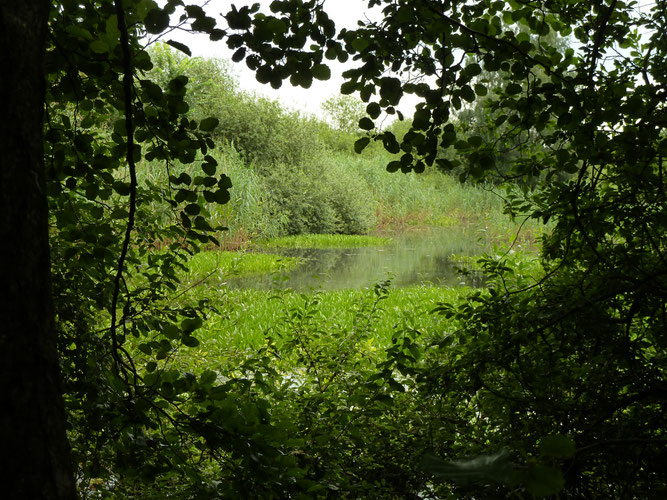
325 241
249 316
223 265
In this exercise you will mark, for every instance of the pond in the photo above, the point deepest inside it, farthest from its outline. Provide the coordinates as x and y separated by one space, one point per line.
411 259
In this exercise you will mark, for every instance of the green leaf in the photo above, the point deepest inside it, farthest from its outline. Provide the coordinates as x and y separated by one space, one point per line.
209 166
366 123
122 188
544 481
348 88
221 196
180 46
321 72
373 109
208 377
475 141
239 55
514 88
156 21
361 144
208 124
189 325
390 143
394 166
481 90
558 446
190 341
99 46
192 209
468 94
171 331
391 90
359 44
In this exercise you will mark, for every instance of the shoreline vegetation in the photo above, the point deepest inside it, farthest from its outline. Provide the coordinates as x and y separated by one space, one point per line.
296 184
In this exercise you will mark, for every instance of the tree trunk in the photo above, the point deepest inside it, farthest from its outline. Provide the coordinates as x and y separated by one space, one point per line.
35 452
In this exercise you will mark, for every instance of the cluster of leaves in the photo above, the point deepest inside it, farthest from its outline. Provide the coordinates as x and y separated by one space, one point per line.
103 118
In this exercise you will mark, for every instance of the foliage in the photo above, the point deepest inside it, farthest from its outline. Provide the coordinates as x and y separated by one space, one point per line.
262 130
566 374
345 112
326 241
219 266
582 352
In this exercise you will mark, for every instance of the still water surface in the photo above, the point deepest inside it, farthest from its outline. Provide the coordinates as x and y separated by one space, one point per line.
411 259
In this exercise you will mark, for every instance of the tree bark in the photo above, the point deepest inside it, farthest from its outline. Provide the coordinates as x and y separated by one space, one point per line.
35 453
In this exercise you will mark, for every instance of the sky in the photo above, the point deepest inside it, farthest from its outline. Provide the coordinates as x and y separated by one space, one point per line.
344 13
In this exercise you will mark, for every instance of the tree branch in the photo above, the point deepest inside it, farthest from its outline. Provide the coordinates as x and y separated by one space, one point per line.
129 127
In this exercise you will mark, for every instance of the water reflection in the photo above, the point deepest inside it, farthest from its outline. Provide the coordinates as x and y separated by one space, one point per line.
411 259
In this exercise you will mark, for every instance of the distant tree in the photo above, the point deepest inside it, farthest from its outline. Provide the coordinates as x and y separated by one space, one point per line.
344 112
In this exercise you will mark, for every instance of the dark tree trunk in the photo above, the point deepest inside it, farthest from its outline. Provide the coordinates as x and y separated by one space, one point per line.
35 453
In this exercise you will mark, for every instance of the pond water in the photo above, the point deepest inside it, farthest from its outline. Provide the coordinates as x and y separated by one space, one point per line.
411 259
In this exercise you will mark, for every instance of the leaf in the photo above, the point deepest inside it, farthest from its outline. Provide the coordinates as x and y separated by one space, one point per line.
321 72
544 481
359 44
189 341
189 325
122 188
467 93
192 209
208 124
373 109
393 166
481 90
391 90
156 21
558 446
514 88
208 377
221 196
475 141
348 88
361 144
390 143
239 55
366 123
180 46
99 46
209 166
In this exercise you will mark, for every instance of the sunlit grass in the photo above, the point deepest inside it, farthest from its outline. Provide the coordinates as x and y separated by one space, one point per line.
325 241
222 265
248 317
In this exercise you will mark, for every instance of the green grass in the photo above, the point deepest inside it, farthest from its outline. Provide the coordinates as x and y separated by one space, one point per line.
223 265
325 241
249 316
